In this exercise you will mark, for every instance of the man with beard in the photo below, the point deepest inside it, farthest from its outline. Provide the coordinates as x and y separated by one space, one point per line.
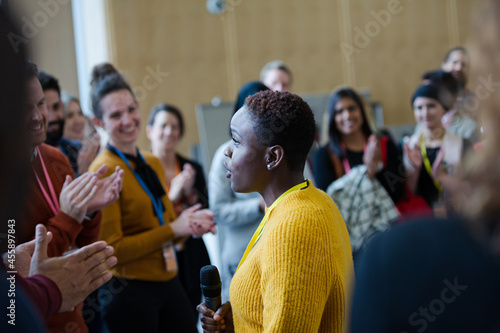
55 106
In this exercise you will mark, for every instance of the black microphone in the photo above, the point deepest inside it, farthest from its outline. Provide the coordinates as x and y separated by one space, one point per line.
210 286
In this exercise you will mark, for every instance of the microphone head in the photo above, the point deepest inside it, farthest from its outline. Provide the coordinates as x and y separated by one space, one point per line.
210 281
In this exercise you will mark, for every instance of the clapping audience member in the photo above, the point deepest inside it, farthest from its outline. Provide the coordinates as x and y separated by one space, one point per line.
142 225
186 186
442 275
237 214
68 207
295 274
362 172
432 154
352 142
44 285
79 148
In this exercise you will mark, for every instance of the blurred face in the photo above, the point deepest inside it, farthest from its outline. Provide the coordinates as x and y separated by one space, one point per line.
74 121
278 80
165 133
121 119
348 117
37 114
428 112
458 65
246 159
55 109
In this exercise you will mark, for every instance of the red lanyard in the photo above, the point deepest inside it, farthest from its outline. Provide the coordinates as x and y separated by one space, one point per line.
347 167
52 199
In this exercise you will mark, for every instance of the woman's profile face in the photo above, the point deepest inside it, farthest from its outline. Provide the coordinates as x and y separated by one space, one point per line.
428 112
165 132
246 159
74 121
348 117
121 118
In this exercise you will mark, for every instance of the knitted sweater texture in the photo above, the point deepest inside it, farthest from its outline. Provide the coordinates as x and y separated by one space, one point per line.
297 276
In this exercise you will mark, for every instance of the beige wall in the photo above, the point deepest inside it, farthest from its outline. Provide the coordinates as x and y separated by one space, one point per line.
198 55
207 55
47 26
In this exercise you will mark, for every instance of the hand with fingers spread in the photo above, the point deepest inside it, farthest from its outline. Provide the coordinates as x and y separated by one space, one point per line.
182 184
108 189
87 154
412 158
221 320
194 221
77 274
76 195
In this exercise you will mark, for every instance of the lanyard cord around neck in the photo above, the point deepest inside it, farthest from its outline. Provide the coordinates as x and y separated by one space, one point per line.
52 198
258 232
345 161
157 204
427 164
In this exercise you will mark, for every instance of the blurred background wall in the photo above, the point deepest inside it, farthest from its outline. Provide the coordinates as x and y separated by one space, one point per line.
177 52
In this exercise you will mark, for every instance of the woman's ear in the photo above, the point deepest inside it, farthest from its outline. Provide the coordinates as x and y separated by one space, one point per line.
96 121
148 132
274 157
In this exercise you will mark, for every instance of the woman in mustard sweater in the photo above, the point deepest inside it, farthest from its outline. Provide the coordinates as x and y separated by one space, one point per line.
295 275
145 294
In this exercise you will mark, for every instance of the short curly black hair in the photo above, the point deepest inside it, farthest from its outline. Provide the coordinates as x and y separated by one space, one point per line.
284 119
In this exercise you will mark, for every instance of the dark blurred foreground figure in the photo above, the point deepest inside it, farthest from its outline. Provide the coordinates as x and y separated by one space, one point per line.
443 275
41 286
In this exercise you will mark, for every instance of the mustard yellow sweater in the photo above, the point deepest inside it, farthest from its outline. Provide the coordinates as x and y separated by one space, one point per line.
130 225
297 276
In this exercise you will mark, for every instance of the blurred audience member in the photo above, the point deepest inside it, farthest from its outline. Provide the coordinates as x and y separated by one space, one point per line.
52 92
186 186
432 154
360 171
442 275
80 149
277 76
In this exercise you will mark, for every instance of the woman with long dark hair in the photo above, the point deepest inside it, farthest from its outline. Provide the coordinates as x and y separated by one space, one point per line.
352 143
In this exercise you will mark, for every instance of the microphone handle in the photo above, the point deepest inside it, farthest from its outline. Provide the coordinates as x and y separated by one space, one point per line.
213 303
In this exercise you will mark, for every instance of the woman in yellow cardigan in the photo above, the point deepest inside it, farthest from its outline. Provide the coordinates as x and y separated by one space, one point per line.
145 294
295 275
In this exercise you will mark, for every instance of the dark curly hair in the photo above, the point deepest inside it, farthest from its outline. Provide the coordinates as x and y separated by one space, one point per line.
49 82
284 119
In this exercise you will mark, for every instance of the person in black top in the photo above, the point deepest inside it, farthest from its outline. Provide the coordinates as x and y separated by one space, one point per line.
352 142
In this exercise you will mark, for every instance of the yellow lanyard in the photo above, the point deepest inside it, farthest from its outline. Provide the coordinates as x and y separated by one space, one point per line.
258 232
427 164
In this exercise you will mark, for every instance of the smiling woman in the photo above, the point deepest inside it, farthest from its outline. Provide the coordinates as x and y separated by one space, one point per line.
142 225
